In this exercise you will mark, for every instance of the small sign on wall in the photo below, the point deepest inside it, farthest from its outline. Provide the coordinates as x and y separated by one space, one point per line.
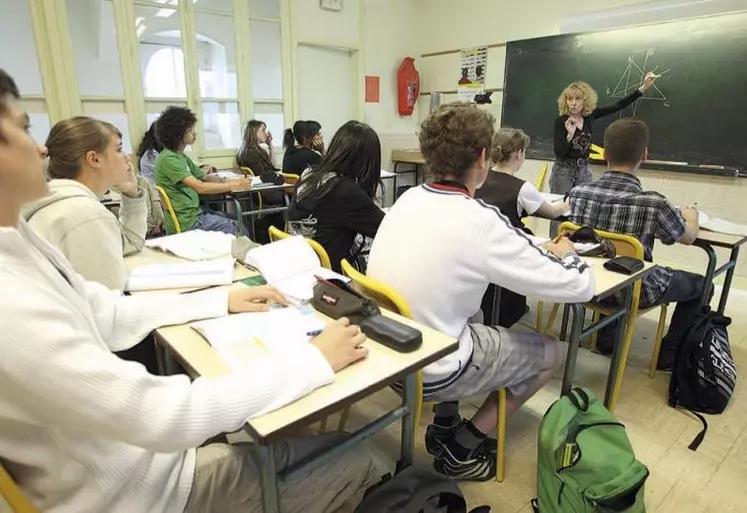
372 89
331 5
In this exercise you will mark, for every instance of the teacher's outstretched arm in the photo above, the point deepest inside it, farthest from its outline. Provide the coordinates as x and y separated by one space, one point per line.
606 110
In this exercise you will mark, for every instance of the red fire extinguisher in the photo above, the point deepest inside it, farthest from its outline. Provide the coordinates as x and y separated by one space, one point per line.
408 86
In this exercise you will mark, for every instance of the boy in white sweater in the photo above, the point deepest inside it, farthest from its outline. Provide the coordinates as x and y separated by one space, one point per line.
440 248
84 431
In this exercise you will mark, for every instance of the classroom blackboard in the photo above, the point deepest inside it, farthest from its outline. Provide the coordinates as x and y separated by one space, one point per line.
697 113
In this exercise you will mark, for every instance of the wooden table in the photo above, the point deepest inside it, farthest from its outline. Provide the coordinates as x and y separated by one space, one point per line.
606 284
408 157
707 240
382 368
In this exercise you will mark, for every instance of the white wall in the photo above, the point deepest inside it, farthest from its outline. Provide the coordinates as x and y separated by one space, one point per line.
449 25
21 63
313 23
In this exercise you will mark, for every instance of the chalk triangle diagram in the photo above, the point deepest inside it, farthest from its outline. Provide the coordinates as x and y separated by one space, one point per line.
631 79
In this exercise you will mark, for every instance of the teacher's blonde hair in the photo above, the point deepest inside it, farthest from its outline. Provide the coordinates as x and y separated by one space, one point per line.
578 90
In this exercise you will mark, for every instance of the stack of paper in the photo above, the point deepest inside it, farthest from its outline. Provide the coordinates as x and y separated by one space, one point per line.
195 244
291 265
243 338
181 275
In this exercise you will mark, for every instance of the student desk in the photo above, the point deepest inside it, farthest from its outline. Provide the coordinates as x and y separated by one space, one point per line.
382 368
408 157
707 240
606 284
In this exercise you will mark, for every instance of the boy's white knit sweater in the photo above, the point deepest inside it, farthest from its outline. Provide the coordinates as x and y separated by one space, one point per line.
440 249
82 430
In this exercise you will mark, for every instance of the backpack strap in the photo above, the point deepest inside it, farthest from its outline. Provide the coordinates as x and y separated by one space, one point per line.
700 436
535 505
579 398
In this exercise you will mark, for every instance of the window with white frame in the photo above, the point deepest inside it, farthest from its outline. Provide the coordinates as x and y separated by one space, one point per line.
17 32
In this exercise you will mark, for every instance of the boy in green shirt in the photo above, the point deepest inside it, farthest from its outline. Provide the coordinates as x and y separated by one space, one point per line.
183 181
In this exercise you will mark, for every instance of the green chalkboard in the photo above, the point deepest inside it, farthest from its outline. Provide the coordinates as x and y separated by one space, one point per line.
697 112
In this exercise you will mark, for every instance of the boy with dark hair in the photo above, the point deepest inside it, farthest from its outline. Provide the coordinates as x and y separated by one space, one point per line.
617 203
454 246
183 181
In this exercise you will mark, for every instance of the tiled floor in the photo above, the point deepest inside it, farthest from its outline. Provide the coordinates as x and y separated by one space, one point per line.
681 481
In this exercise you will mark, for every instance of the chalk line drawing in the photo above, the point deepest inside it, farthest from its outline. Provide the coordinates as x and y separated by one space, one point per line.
632 78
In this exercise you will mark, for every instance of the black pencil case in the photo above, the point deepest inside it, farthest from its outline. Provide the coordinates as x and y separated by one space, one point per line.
392 334
624 265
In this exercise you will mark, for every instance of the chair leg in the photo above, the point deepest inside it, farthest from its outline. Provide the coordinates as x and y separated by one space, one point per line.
540 308
418 413
323 425
343 418
501 433
657 342
595 335
551 319
622 363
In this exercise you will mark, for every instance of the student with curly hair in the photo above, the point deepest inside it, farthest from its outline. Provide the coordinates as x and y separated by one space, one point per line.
440 248
577 106
183 181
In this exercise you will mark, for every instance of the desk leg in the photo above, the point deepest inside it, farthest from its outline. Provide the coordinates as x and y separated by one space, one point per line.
394 184
710 269
573 342
622 327
727 281
564 323
408 422
266 463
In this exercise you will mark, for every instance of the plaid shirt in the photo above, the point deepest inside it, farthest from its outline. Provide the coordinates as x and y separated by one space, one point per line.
617 203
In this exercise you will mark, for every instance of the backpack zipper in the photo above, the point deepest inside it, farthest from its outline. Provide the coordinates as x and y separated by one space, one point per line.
573 433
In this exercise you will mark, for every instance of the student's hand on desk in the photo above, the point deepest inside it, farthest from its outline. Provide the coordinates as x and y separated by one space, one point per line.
240 184
254 299
340 344
560 247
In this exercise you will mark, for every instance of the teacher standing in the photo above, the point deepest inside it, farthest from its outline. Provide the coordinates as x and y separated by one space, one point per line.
577 106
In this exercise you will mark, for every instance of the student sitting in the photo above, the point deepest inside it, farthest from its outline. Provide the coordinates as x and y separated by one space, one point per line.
334 203
85 161
147 153
252 154
299 148
440 248
183 181
84 431
617 203
515 198
318 144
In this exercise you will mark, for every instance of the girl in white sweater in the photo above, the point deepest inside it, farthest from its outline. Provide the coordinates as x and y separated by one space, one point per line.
84 431
85 161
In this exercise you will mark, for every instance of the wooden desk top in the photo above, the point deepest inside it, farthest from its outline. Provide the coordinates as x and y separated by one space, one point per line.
608 282
152 256
408 156
721 240
382 367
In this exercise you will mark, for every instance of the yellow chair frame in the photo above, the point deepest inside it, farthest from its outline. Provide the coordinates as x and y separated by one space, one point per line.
277 234
389 299
625 245
13 495
166 202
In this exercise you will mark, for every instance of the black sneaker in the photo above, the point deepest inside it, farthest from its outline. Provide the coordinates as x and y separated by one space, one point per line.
436 436
479 465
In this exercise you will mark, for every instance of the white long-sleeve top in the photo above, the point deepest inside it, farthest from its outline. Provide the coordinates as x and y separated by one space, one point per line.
440 249
82 430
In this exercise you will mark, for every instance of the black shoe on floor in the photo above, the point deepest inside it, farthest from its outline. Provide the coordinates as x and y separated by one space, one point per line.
478 466
436 436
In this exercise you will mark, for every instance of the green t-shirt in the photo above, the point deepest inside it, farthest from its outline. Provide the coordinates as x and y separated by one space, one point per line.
171 170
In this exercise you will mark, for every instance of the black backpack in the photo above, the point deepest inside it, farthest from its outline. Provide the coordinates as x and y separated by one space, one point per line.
704 373
415 490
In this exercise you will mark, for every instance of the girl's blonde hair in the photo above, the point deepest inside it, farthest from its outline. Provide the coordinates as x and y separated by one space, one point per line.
70 140
507 141
578 90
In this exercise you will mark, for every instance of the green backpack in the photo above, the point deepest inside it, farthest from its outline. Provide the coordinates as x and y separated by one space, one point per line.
585 462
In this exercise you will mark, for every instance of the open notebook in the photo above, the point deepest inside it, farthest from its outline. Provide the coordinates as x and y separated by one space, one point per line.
242 339
290 265
195 244
181 275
